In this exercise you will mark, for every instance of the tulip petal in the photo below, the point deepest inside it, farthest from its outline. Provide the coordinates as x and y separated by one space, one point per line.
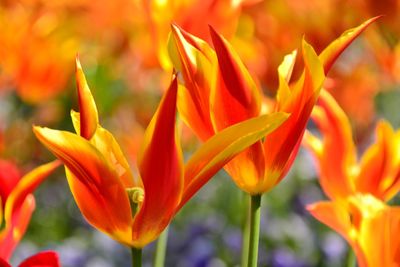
87 107
193 58
105 142
336 216
282 145
15 228
27 184
338 156
160 165
96 186
44 259
335 49
236 96
380 165
222 147
4 263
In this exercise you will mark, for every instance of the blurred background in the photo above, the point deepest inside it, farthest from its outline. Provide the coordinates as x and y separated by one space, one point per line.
122 47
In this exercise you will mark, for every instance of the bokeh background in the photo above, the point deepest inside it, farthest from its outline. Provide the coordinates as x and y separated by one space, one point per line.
122 47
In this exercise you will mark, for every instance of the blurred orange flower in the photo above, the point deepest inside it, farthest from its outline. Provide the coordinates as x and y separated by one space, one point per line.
34 54
134 211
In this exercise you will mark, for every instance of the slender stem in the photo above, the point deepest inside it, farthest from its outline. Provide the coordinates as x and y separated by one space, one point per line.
136 257
246 232
254 230
351 258
161 249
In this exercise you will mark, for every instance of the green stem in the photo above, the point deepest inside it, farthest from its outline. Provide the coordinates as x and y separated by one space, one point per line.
136 257
351 258
254 230
161 249
246 232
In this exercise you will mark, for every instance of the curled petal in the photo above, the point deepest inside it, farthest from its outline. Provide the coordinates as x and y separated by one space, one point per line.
235 97
87 107
96 186
222 147
335 49
160 165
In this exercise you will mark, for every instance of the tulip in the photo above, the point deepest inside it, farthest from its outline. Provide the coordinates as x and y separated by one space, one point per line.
357 188
135 210
218 91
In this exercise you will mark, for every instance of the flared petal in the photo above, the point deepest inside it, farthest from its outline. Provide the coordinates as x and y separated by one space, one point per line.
337 160
222 147
235 97
336 48
160 164
87 107
95 184
42 259
282 145
194 60
380 165
336 215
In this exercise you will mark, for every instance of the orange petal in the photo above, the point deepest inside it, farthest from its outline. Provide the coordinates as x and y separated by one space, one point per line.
281 146
236 97
96 186
379 238
194 59
380 165
105 142
160 165
87 107
335 49
338 157
336 216
222 147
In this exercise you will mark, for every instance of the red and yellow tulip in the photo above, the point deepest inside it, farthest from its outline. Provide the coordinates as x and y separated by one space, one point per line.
218 91
17 202
358 189
135 210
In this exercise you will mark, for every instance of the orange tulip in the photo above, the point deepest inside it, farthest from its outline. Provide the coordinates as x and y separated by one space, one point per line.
17 202
358 189
370 227
377 172
135 210
218 91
